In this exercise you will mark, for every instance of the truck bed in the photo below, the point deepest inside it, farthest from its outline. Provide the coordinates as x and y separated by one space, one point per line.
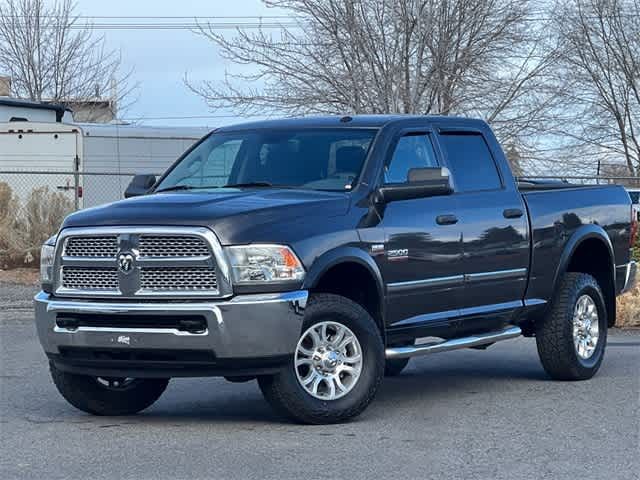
557 212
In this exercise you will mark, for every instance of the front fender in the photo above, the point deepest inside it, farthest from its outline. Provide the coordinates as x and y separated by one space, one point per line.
339 255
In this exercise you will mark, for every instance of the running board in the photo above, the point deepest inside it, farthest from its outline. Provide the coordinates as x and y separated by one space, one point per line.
453 344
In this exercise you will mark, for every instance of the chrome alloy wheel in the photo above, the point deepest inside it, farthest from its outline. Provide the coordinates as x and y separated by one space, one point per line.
328 360
585 327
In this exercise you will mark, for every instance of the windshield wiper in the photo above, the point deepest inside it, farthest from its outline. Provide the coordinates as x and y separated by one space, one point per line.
174 188
249 184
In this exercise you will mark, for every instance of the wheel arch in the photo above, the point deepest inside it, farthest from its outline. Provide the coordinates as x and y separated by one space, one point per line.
589 250
350 272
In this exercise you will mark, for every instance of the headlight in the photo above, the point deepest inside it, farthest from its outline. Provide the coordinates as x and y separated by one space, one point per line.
46 261
258 264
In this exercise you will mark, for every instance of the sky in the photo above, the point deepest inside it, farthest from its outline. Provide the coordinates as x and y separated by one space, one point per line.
161 58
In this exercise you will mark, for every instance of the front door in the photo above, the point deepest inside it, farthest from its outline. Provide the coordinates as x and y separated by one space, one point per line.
422 264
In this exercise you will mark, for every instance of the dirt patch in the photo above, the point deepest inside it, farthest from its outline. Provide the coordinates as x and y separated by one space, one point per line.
629 309
20 276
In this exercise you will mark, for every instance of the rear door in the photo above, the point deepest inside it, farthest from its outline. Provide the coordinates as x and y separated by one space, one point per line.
494 229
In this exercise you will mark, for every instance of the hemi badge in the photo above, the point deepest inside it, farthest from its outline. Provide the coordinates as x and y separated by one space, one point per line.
377 249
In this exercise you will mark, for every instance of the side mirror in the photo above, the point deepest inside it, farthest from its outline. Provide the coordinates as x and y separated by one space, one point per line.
421 183
140 185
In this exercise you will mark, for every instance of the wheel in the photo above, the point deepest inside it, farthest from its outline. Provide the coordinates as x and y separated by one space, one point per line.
108 395
336 368
571 339
395 367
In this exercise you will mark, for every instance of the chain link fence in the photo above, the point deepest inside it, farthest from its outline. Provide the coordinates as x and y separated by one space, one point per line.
34 203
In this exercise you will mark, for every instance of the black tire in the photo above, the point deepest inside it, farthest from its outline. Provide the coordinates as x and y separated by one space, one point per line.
90 395
395 367
283 390
554 334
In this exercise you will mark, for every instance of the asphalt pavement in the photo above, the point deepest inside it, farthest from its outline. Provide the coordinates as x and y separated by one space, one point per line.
468 414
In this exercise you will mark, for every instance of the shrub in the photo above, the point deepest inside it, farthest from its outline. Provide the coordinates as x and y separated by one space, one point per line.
24 229
629 309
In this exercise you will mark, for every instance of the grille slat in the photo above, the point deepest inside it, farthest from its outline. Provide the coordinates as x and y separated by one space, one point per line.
176 279
87 278
98 247
161 246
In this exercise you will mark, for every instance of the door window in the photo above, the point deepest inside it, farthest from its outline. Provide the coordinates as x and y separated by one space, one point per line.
470 161
412 151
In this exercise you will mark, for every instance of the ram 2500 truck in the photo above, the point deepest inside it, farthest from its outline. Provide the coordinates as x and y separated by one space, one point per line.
317 255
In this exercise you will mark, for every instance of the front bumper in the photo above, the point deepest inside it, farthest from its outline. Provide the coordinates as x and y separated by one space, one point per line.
247 334
630 277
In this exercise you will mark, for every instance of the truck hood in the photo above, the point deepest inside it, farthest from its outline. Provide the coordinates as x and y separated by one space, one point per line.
236 216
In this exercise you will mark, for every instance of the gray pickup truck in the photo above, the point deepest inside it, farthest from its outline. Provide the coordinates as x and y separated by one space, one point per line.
317 255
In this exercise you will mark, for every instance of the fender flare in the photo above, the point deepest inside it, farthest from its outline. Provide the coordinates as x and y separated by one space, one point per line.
345 254
585 232
582 234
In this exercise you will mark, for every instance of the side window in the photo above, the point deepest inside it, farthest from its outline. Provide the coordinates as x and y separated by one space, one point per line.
412 151
470 161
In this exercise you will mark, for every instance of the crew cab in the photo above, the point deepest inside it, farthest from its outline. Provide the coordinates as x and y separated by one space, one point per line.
317 255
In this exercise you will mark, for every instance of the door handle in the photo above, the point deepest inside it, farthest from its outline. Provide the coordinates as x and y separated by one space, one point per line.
446 219
512 213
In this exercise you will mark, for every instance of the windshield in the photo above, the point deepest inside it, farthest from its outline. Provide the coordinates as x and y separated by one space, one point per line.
321 159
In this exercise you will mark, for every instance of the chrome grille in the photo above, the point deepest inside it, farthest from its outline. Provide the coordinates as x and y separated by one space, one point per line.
98 246
174 279
88 278
172 246
140 262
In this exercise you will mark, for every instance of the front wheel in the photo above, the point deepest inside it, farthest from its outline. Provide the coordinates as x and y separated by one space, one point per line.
108 395
571 339
336 368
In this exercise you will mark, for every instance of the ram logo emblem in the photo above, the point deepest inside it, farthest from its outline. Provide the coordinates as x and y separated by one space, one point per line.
125 262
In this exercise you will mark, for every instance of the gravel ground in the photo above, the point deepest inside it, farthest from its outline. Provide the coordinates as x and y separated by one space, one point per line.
16 296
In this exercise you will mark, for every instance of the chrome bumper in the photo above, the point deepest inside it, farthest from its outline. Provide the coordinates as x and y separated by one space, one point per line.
244 327
631 276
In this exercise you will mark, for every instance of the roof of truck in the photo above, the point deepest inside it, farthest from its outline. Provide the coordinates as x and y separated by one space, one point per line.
347 121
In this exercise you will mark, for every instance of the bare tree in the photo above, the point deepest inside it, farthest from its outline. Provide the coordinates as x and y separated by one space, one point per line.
50 56
599 71
481 58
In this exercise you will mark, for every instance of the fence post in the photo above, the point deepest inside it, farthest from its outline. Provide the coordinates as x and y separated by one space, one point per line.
76 183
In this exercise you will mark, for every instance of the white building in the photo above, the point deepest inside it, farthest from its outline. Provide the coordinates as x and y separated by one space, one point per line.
36 137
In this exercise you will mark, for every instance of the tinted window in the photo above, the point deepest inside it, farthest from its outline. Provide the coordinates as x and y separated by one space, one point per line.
323 159
471 163
635 197
412 151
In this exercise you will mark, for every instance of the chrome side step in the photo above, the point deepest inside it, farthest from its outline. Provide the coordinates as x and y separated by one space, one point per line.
453 344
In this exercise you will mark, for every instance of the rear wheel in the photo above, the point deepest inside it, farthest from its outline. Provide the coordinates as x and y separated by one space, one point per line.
108 395
571 339
337 366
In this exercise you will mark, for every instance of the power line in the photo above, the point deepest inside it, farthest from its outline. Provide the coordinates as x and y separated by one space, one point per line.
164 17
212 22
191 117
177 26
